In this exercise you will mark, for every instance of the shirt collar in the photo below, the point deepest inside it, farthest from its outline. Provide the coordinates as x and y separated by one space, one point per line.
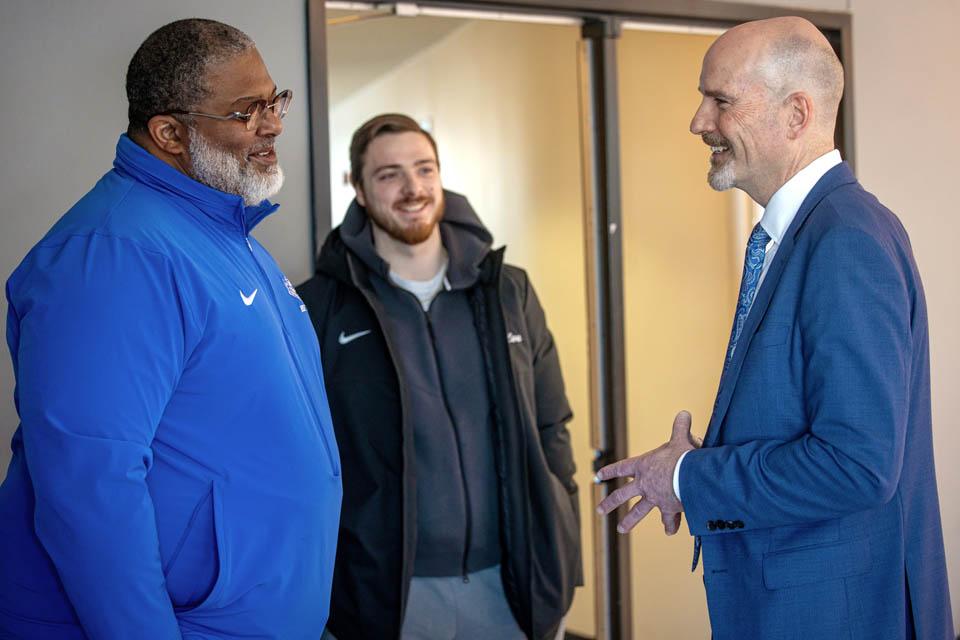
785 203
139 164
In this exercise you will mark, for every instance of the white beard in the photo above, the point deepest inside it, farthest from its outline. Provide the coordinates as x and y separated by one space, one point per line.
722 178
223 171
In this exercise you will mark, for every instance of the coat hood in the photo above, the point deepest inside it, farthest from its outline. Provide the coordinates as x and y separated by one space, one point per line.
465 238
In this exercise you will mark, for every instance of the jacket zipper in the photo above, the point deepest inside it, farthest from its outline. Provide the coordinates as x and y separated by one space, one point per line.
456 435
334 469
511 586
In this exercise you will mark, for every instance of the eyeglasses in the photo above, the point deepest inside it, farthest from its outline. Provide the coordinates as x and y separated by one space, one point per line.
254 112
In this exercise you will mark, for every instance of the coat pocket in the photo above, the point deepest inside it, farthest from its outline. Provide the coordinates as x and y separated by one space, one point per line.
195 572
810 565
771 335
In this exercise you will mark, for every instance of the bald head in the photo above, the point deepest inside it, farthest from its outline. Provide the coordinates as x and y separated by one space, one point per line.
788 55
771 91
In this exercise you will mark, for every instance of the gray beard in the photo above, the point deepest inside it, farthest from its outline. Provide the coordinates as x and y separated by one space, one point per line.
721 178
223 171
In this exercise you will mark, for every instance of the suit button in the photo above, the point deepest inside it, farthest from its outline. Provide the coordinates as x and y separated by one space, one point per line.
721 525
732 524
712 525
739 524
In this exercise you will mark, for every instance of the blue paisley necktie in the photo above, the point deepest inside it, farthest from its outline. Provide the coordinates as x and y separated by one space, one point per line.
752 266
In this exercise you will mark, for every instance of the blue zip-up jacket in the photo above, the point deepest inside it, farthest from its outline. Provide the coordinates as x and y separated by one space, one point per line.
175 473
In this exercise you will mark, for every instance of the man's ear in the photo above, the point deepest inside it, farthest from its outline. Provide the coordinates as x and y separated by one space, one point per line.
169 134
361 197
800 113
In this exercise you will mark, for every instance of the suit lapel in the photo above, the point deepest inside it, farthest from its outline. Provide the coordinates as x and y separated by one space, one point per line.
834 178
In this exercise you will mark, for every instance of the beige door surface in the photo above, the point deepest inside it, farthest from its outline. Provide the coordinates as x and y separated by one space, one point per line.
682 249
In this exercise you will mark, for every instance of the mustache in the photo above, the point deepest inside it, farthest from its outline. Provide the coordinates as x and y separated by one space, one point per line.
260 148
414 201
714 140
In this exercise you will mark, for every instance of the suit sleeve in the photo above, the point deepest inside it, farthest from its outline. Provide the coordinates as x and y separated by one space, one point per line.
553 409
99 351
854 322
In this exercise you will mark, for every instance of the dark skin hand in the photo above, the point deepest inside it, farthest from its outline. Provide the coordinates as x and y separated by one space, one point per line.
652 480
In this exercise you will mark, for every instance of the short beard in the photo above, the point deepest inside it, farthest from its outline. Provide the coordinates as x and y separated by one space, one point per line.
223 171
412 235
722 178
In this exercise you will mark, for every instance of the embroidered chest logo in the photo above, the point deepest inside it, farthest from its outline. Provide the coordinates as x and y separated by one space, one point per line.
347 339
293 292
248 299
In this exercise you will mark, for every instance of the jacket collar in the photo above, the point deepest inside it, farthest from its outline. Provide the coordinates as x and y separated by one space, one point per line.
834 178
137 163
465 238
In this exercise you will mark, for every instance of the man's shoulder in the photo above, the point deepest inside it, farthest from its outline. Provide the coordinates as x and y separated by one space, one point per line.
116 207
320 292
852 208
316 286
516 275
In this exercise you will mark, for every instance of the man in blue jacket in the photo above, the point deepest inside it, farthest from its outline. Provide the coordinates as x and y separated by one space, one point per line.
814 495
175 473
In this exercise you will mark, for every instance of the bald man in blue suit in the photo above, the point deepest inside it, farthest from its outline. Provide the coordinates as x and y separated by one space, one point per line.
813 496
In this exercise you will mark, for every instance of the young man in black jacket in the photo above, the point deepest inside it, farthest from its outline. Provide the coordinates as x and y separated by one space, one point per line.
460 515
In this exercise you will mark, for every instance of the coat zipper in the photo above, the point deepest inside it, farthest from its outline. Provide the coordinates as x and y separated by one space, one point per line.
334 468
456 435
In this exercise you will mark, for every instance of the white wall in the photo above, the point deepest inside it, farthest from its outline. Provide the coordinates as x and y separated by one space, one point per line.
63 107
905 110
64 64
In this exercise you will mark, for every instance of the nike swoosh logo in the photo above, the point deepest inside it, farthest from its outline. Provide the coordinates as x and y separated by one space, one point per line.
248 300
347 339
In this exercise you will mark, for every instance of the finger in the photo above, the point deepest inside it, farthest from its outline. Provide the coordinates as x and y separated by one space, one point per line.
681 426
622 469
635 515
616 498
671 522
696 441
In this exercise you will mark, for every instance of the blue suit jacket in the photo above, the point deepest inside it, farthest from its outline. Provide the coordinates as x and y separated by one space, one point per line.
815 493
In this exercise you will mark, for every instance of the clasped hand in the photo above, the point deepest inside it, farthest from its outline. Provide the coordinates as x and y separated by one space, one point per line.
652 480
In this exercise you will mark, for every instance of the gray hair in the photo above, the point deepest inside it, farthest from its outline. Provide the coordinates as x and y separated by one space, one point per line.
797 63
168 72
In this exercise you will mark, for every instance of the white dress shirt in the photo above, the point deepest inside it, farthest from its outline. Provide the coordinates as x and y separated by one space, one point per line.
776 219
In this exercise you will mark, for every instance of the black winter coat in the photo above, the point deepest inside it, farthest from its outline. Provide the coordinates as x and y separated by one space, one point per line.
540 529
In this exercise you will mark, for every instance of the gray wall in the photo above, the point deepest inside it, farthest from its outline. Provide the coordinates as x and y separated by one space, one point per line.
63 68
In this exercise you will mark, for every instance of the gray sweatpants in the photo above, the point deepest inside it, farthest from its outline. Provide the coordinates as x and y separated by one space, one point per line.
450 609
